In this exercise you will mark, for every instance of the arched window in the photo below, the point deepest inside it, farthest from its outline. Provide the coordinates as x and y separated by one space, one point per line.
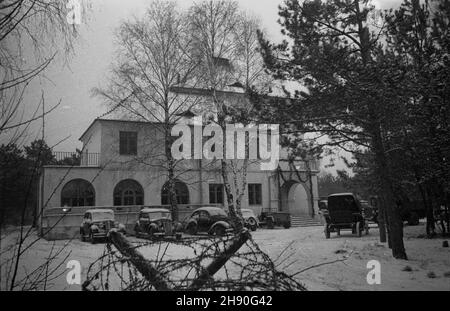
181 191
128 192
78 192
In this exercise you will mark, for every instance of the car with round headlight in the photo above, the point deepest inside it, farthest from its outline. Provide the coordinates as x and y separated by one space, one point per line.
156 222
250 219
210 219
96 224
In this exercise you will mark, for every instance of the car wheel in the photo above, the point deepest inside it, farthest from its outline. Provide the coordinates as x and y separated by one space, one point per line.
151 231
338 231
327 232
287 225
91 238
82 238
191 229
270 222
358 229
136 231
219 230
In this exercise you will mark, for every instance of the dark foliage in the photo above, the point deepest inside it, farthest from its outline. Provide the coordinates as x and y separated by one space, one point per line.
19 175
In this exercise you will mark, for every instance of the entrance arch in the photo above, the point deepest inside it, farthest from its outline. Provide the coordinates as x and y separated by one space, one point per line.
295 199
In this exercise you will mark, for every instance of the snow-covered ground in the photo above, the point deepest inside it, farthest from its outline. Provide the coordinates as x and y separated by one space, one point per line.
300 248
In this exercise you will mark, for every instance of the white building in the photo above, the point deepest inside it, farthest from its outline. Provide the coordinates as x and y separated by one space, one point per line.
123 165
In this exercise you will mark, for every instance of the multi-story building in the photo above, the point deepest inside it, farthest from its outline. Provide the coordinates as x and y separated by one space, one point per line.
123 164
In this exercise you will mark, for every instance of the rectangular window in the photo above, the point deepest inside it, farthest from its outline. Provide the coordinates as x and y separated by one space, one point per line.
254 194
216 193
128 143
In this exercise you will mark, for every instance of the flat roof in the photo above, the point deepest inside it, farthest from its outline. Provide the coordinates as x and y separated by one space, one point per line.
115 120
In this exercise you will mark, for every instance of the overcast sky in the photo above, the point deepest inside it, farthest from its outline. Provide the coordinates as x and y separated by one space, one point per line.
91 63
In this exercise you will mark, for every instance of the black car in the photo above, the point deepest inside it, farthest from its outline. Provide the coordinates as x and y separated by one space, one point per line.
97 223
273 219
211 220
344 213
155 221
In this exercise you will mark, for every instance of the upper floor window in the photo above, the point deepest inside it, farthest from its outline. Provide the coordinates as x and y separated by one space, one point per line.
216 193
128 143
254 194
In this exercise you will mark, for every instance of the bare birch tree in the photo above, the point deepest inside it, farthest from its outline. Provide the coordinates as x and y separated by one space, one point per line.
32 34
226 45
153 56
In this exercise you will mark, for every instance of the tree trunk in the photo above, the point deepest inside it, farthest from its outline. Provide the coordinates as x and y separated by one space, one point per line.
242 188
430 227
428 206
220 260
394 222
395 225
388 229
447 218
224 172
144 266
382 221
171 173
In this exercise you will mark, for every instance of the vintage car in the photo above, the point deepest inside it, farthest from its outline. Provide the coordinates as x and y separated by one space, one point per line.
97 223
323 204
212 220
250 219
344 212
370 213
273 219
155 222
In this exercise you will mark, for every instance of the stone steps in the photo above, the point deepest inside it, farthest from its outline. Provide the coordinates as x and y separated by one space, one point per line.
304 221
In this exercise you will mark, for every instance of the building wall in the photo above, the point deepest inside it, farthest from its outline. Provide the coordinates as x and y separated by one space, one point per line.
152 181
148 169
92 139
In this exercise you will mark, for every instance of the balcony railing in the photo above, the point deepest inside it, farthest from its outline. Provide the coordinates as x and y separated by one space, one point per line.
76 158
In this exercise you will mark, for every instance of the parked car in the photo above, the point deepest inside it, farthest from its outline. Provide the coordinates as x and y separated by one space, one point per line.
344 213
212 220
410 210
323 204
155 222
97 223
272 219
370 213
250 219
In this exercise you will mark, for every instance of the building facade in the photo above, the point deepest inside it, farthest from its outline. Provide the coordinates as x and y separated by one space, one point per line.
123 164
